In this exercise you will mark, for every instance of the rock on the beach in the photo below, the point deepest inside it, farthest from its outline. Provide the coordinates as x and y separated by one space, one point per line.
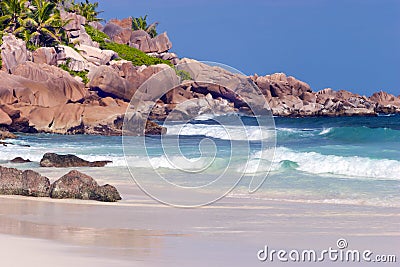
20 160
25 183
77 185
66 161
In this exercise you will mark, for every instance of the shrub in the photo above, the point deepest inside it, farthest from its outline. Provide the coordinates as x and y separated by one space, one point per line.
124 51
82 74
184 75
136 56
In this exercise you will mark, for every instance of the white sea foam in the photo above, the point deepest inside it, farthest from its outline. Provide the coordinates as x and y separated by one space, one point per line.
325 131
317 163
251 133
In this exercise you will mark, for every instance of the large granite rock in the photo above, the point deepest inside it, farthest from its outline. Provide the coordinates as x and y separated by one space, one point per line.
13 52
67 161
384 99
44 85
46 55
76 61
74 20
125 23
144 42
279 85
62 119
77 185
4 118
96 55
219 82
81 37
108 80
120 31
39 84
25 183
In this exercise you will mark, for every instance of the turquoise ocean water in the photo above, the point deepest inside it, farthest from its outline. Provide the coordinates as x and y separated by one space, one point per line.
353 160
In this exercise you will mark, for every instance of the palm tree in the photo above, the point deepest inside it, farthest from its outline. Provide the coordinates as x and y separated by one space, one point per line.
13 12
44 25
140 23
88 10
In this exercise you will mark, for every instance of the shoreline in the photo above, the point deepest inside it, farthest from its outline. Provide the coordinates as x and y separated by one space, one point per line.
151 234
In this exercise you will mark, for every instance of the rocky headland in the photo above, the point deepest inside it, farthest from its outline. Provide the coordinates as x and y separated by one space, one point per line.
85 87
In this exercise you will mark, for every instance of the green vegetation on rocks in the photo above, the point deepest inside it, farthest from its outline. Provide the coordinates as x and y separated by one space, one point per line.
124 51
38 22
81 74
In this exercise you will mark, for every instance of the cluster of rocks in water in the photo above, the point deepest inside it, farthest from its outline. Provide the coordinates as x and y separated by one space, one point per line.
38 96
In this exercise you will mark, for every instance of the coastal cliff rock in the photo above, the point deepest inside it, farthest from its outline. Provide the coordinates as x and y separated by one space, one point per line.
222 83
77 185
13 52
96 55
5 118
67 161
123 80
120 31
45 55
36 95
25 183
74 20
39 84
386 103
7 135
288 96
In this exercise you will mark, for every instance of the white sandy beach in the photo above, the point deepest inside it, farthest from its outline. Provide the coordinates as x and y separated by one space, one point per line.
142 232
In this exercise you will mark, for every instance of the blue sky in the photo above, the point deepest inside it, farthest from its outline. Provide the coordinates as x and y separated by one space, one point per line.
342 44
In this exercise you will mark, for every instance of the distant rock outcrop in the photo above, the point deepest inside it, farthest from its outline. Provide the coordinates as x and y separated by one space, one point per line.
36 95
67 161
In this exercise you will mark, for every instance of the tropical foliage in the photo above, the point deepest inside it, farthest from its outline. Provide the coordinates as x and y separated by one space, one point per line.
81 74
87 10
140 23
38 22
126 52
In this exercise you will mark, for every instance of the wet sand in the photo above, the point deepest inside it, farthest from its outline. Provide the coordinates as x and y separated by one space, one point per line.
142 232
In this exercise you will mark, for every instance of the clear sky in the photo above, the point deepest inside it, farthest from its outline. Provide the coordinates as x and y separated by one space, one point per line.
342 44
